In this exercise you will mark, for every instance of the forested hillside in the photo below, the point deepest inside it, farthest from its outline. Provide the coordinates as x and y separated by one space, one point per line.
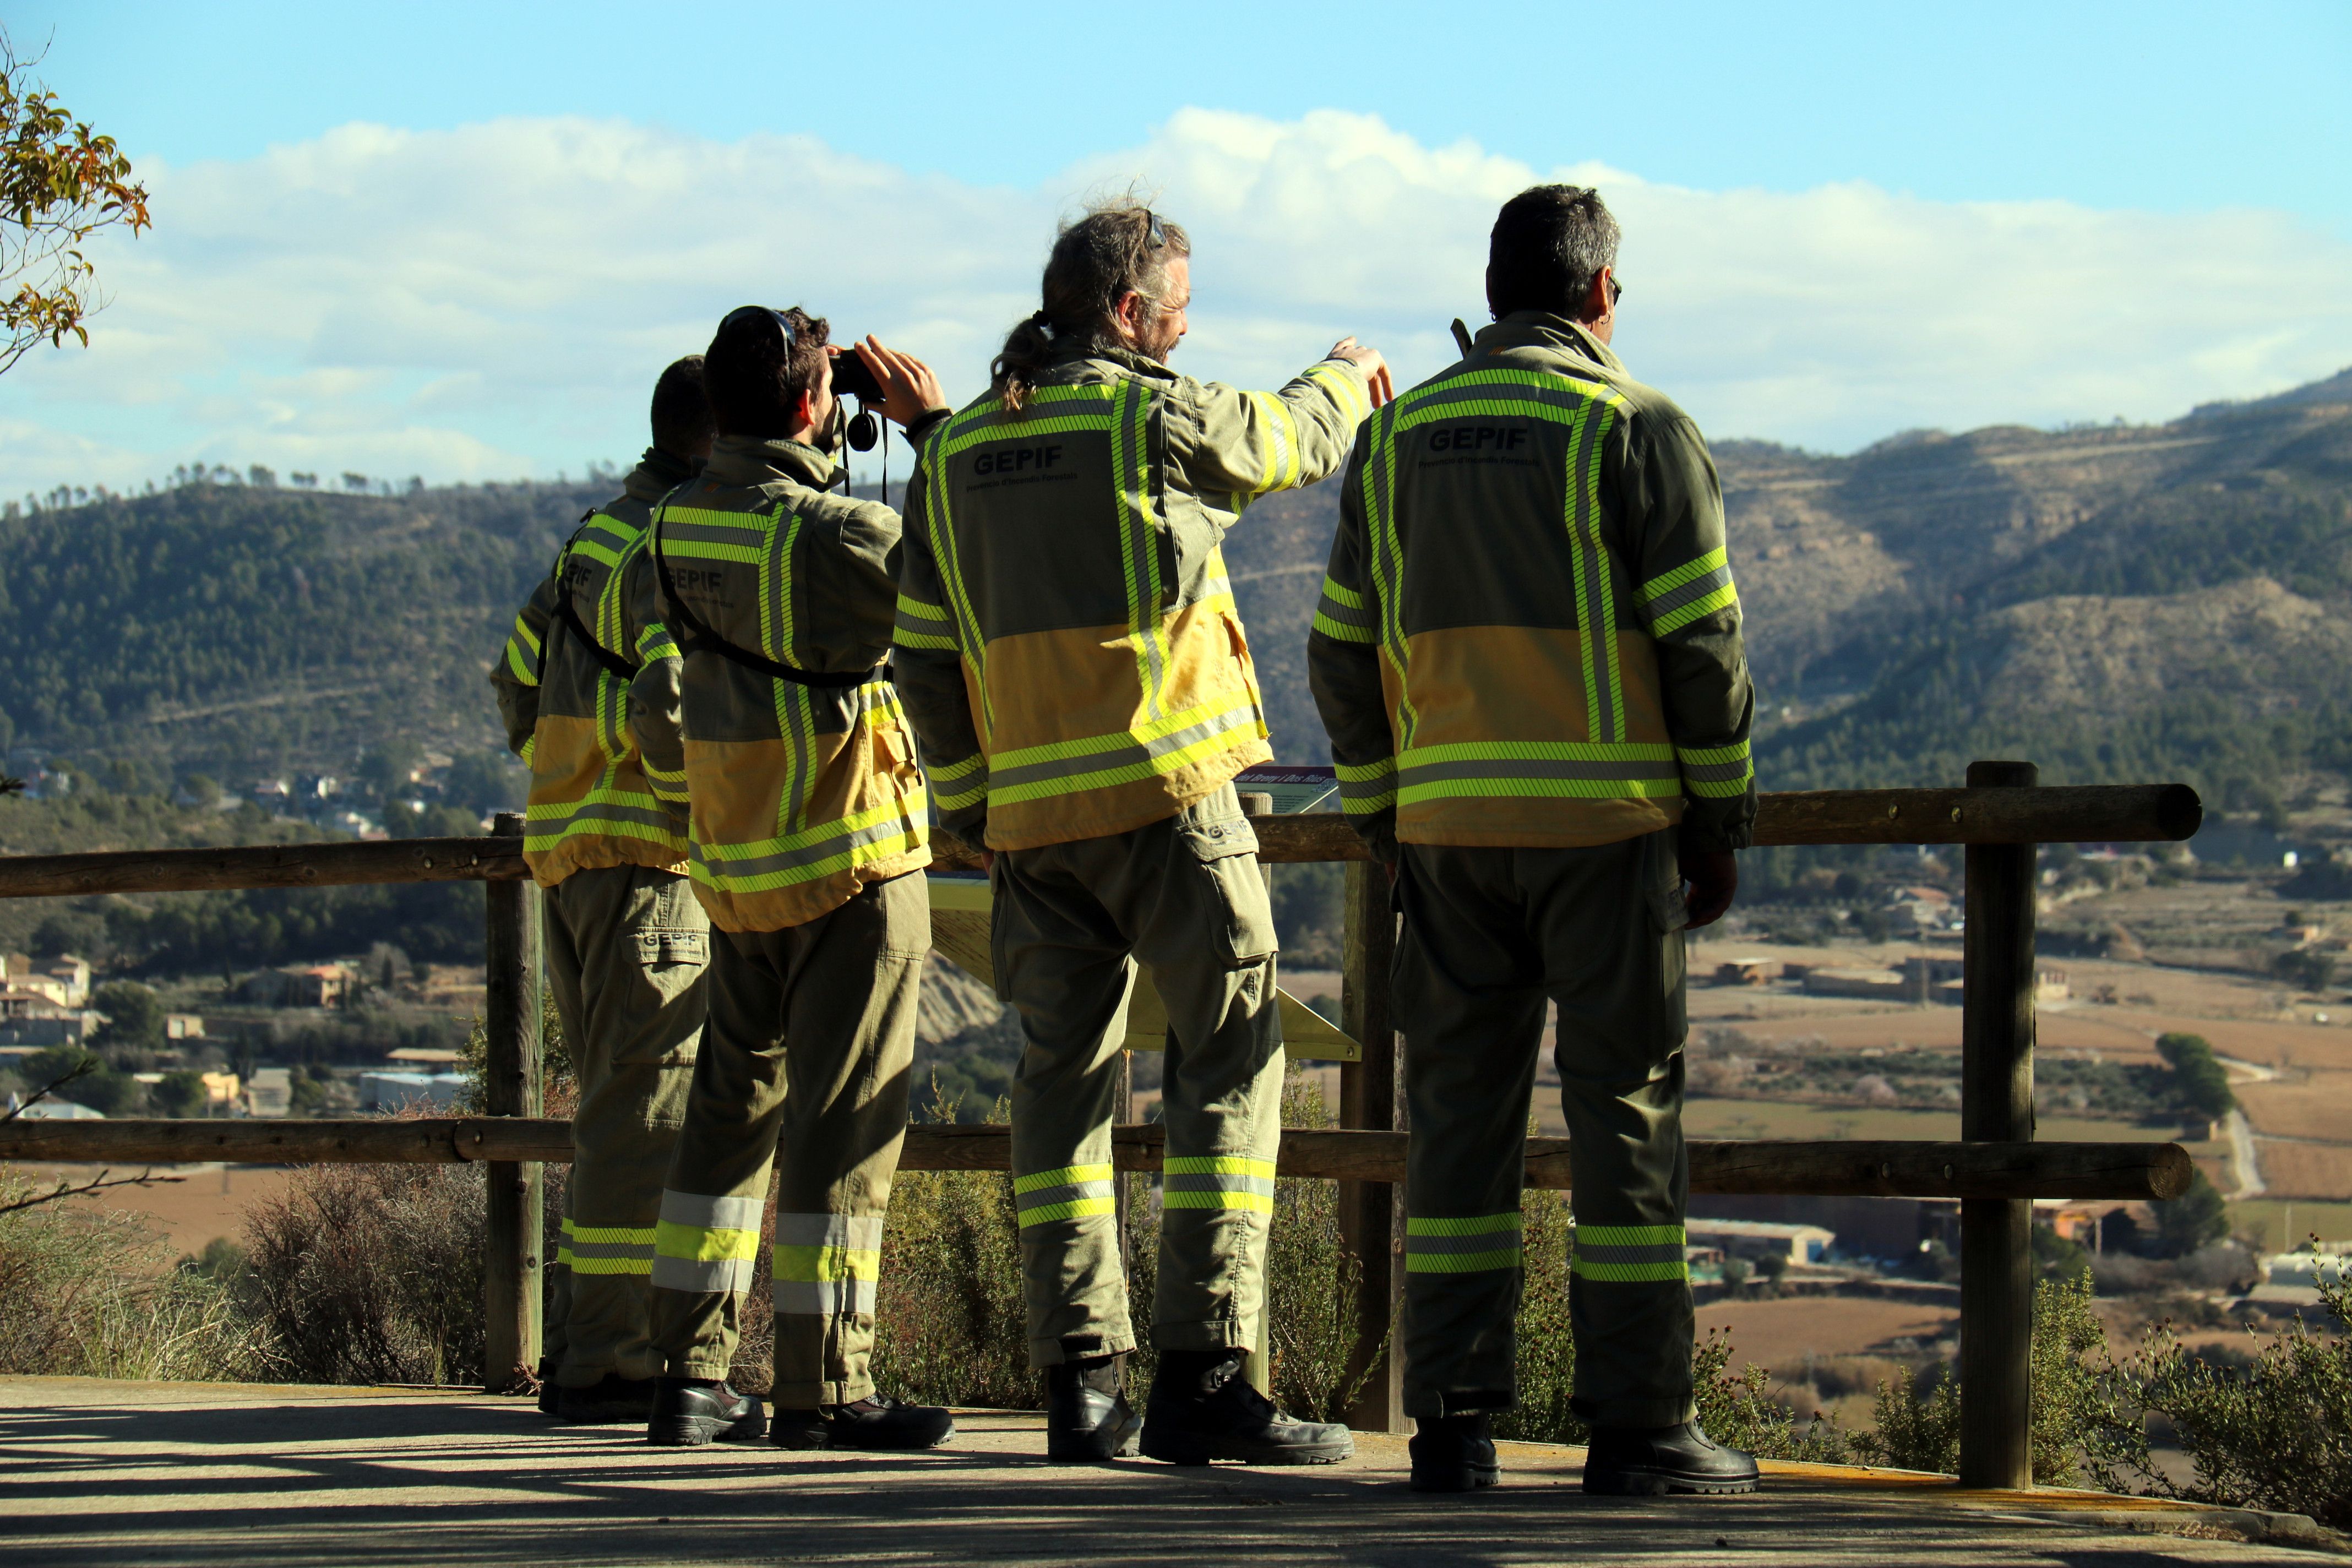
2115 601
235 630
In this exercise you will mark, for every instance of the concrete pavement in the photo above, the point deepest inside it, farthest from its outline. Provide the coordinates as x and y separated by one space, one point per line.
93 1472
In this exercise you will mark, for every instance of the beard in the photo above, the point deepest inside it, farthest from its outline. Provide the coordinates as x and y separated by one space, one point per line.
1158 338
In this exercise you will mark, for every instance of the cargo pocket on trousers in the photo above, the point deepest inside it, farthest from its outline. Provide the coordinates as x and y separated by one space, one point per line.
1669 915
1240 920
672 961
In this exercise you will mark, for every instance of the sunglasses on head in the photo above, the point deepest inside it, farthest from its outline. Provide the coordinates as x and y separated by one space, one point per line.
1155 235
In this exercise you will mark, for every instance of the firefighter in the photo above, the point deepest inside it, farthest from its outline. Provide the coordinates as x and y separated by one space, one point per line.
1528 657
626 943
773 715
1071 657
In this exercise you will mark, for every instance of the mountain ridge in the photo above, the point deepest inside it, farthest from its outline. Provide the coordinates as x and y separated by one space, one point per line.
1927 598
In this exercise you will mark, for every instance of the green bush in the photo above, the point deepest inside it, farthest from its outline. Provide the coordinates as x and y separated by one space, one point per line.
134 1018
2200 1083
180 1094
2194 1219
101 1088
2275 1435
1546 1367
2070 1399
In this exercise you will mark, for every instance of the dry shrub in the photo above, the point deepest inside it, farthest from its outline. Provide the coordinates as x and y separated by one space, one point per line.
371 1274
1311 1283
950 1325
85 1292
950 1328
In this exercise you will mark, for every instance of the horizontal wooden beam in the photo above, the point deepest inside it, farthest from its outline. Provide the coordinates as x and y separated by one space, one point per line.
1875 1168
2088 813
262 866
2059 814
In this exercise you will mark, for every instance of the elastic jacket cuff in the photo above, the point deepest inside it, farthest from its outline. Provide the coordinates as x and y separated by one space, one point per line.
1377 830
1714 828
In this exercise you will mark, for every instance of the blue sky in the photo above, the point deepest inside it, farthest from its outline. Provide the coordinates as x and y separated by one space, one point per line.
1840 220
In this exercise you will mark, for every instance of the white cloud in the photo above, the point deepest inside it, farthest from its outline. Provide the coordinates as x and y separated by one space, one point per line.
496 299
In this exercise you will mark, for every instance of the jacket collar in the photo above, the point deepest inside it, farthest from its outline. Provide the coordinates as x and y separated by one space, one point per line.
1542 329
658 473
750 461
1079 349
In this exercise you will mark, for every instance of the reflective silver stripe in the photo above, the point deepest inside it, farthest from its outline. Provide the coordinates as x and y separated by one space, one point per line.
1332 609
1718 773
1673 599
1414 774
1128 754
1046 1197
824 1298
1595 1252
711 1275
553 819
854 1231
728 868
712 1214
1485 1241
1219 1182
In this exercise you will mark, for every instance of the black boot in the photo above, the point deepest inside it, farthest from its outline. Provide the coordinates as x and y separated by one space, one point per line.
878 1421
546 1385
1454 1453
616 1401
1626 1461
691 1411
1201 1408
1087 1417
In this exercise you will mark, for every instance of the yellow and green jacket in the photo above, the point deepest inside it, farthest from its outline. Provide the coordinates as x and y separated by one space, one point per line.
566 703
1066 640
803 787
1529 634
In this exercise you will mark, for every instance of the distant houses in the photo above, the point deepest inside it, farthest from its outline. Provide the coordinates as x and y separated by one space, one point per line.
306 985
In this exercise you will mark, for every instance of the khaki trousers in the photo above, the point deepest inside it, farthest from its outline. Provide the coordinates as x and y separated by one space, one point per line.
1185 898
1489 934
803 1070
627 948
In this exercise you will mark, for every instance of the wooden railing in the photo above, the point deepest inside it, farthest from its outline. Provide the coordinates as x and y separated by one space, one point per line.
1996 1170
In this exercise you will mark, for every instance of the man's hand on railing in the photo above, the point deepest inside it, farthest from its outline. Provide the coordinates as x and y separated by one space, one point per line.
1713 879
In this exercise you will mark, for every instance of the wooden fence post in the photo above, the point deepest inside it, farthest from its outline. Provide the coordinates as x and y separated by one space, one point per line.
511 1086
1997 1106
1368 1100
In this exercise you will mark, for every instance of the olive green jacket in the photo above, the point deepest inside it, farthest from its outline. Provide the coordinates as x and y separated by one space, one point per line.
567 709
801 791
1067 641
1529 634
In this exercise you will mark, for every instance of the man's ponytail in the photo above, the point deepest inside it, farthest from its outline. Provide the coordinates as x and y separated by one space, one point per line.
1013 374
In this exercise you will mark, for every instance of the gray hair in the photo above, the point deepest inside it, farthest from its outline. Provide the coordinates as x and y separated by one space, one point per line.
1549 242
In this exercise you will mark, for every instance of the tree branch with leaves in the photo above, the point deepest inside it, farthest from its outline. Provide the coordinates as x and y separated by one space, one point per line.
60 182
